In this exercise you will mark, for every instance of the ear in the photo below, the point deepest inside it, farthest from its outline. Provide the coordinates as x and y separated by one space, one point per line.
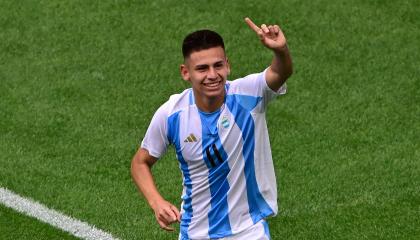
184 72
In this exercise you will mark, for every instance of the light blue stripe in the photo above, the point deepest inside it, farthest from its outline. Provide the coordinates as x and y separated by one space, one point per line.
227 86
173 136
218 216
266 229
191 97
247 102
240 106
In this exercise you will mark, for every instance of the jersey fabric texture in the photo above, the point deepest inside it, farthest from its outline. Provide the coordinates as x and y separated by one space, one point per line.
258 231
229 183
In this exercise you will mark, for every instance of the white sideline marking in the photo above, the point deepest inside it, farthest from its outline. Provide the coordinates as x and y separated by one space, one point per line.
52 217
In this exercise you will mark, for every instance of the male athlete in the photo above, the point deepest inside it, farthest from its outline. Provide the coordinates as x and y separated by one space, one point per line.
219 132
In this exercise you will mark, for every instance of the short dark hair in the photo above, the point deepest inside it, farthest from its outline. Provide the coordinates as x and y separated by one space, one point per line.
201 40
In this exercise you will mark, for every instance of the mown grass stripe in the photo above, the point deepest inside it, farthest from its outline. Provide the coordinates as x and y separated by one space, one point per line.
31 208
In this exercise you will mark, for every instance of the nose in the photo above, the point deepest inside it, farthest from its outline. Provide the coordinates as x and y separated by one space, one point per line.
212 73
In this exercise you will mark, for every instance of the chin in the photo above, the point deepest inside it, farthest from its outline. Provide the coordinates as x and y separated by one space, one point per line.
215 93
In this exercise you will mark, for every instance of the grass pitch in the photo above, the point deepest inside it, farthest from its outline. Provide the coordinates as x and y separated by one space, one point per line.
80 81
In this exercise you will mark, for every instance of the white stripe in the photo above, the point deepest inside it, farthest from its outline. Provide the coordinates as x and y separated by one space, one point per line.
52 217
263 163
192 152
232 142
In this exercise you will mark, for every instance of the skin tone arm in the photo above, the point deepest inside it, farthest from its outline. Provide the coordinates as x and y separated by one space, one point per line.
273 38
165 212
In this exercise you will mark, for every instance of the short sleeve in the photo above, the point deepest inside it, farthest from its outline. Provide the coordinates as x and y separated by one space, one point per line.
255 85
268 93
155 140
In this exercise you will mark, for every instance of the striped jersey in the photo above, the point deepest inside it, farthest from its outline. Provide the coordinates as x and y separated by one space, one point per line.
225 158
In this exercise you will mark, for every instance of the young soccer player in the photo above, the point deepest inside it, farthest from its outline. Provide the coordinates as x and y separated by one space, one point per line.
219 131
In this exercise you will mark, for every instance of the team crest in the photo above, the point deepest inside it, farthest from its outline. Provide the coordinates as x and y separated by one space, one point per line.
225 122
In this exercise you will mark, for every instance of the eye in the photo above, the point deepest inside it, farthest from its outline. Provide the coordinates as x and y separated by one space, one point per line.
218 65
201 68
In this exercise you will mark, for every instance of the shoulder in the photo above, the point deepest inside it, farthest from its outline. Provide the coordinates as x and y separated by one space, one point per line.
176 103
252 84
255 85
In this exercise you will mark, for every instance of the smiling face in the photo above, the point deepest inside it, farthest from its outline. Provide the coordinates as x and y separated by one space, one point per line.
207 71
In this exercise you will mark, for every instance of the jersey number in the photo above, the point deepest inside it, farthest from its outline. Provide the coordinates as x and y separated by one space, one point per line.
216 153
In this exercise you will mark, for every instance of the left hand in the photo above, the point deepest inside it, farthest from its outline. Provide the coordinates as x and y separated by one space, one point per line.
271 36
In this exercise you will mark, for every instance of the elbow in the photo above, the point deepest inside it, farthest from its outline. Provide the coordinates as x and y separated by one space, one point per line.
133 167
140 162
286 75
135 164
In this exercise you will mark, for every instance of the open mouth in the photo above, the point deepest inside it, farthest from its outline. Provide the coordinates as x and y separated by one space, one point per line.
212 84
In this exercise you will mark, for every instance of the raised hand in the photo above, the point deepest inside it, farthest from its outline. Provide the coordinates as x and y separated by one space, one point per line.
271 36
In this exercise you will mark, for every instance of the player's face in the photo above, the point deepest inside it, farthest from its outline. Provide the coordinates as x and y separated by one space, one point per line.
207 71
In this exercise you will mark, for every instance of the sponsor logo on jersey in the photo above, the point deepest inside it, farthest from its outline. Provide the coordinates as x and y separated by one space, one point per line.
191 138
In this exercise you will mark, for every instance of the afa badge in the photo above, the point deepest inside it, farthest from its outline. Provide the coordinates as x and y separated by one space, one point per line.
225 122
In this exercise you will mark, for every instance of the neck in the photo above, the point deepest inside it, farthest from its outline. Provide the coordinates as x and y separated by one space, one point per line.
206 104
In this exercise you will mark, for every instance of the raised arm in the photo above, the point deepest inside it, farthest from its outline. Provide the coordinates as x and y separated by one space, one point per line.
281 66
165 212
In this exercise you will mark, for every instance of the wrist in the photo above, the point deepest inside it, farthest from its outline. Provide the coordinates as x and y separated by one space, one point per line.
154 202
281 50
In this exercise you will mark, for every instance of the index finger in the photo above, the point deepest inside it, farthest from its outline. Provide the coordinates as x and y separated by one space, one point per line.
252 25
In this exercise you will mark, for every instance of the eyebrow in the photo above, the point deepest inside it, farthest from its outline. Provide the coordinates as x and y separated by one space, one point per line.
201 66
206 65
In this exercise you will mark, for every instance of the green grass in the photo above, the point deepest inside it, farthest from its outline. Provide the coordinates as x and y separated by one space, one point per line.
80 81
17 226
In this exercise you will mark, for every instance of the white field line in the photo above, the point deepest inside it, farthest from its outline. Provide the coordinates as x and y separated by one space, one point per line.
28 207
